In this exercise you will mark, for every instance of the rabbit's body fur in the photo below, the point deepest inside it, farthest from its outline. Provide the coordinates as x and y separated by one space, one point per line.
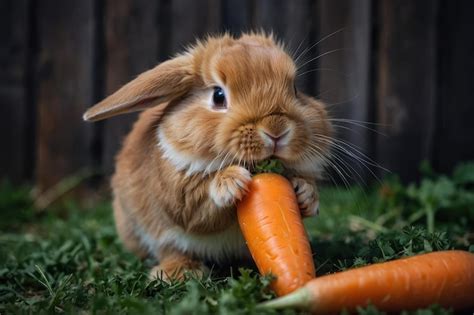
185 163
193 222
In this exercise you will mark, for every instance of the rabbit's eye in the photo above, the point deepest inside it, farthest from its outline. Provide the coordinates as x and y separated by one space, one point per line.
219 98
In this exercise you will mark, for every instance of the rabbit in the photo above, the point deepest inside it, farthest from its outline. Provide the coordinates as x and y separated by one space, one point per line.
210 114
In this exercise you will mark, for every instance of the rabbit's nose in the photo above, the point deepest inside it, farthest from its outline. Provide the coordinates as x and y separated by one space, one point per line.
276 140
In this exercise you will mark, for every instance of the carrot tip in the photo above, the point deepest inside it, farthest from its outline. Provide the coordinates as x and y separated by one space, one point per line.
301 298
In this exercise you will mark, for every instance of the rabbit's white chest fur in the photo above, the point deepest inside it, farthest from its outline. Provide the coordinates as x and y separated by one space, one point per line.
216 247
183 162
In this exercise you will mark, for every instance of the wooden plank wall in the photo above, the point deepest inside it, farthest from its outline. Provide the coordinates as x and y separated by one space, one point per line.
65 88
396 75
406 83
454 132
16 159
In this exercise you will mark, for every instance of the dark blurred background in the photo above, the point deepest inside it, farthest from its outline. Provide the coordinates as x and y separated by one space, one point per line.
398 75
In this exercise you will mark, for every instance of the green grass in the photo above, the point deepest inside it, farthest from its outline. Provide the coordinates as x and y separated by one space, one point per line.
69 260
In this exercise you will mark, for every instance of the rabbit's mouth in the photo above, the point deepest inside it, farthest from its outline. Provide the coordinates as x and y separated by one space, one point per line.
272 164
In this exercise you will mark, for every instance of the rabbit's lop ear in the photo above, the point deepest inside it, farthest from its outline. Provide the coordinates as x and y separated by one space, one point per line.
168 80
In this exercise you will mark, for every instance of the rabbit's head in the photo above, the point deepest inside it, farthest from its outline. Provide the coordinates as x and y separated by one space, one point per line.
226 101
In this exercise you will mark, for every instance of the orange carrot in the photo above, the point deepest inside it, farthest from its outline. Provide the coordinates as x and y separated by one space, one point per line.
271 223
445 278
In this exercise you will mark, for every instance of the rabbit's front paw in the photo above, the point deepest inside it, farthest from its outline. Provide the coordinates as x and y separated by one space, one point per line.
308 198
229 185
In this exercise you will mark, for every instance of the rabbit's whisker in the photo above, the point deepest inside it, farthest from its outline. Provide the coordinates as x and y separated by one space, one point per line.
305 51
315 151
359 156
357 149
347 76
209 167
362 122
294 53
320 56
223 162
351 168
347 100
358 125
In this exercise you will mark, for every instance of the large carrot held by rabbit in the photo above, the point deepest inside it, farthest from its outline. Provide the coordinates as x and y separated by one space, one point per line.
445 278
271 223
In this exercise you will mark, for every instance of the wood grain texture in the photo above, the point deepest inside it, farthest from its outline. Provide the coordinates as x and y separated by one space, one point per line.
406 79
14 109
289 21
455 102
236 16
270 16
406 65
192 20
131 46
343 62
65 88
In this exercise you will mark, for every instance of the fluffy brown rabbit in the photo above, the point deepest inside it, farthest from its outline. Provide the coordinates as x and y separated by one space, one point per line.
212 113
